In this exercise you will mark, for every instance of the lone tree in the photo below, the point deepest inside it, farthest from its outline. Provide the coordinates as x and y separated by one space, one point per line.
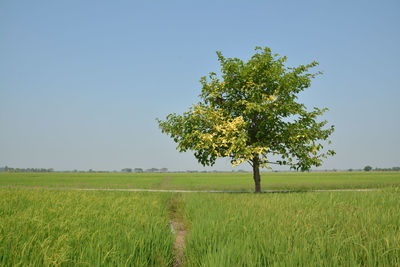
250 113
367 168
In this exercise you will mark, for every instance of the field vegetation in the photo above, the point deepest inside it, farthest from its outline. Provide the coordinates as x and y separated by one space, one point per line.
302 229
204 181
42 227
70 228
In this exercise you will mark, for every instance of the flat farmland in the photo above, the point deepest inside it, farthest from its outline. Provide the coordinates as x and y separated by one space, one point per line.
204 181
72 228
40 227
296 229
44 223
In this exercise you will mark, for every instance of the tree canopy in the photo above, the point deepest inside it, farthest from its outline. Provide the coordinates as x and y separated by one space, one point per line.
250 113
367 168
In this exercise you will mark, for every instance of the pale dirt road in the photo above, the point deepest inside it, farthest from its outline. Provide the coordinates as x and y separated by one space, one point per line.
221 191
191 191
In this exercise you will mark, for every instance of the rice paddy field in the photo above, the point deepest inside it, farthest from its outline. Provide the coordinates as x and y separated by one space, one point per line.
68 228
306 229
203 181
45 223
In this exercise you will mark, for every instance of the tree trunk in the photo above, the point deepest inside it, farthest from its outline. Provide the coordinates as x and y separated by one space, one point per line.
256 174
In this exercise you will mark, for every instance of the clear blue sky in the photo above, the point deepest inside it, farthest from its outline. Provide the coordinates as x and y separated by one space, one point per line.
81 82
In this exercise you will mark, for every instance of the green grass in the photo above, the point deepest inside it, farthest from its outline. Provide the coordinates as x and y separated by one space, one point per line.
302 229
41 227
204 181
80 180
52 228
282 180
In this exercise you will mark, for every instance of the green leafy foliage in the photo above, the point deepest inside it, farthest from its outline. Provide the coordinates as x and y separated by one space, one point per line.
250 113
367 168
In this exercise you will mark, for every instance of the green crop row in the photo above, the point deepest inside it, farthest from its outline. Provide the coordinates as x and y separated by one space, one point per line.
77 228
303 229
203 181
53 228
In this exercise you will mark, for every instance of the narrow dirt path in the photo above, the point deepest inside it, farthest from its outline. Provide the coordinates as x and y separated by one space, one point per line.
217 191
165 182
194 191
179 245
177 228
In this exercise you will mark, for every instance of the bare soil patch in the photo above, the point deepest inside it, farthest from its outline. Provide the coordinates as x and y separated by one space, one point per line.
178 229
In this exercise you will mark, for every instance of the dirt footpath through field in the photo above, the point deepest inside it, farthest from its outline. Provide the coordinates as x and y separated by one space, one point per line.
193 191
175 212
220 191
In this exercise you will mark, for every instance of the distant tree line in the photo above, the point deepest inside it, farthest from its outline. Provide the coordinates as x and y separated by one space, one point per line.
140 170
8 169
163 170
388 169
369 168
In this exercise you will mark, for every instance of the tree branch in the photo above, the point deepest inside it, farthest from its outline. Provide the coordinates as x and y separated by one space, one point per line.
277 163
250 162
